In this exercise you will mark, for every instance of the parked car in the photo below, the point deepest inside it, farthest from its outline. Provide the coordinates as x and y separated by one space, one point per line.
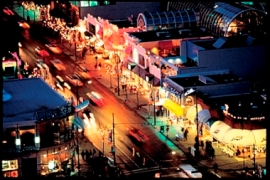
96 98
138 135
54 48
41 52
74 80
59 65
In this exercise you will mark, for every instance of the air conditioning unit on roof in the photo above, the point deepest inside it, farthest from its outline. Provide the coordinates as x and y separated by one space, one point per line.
185 31
163 34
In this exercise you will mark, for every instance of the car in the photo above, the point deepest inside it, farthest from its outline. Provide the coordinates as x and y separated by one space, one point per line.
41 52
59 65
41 64
60 83
23 24
89 81
74 80
138 135
54 48
84 72
96 98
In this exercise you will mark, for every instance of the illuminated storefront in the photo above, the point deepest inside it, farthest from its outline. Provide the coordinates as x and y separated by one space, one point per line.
10 168
10 68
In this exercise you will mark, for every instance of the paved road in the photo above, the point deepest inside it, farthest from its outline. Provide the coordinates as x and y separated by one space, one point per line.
124 120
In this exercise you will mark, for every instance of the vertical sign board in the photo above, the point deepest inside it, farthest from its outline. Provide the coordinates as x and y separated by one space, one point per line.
10 68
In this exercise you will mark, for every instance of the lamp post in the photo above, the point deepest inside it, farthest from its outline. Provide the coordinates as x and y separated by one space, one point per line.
148 78
117 60
77 138
113 140
188 92
18 139
126 100
254 156
96 58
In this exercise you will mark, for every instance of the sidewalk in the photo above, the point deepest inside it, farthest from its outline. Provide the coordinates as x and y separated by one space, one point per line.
224 162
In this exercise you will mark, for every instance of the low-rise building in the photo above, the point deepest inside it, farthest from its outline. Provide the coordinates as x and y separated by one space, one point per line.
37 128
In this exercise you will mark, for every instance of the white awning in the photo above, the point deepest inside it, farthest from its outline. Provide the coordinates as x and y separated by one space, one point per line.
191 112
218 130
204 115
260 136
240 137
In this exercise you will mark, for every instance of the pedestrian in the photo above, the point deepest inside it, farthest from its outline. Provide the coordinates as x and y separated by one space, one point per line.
202 144
215 167
87 154
90 153
94 152
83 154
83 132
186 134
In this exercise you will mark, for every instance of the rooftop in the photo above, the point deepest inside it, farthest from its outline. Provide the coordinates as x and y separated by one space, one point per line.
27 97
169 34
229 42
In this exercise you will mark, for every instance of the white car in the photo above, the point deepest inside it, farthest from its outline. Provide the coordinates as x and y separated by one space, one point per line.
59 65
60 83
74 80
96 98
41 64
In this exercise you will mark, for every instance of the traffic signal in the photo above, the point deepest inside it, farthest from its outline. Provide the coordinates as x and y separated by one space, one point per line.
162 129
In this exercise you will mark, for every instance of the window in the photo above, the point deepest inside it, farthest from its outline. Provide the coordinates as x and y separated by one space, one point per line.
141 60
89 3
106 3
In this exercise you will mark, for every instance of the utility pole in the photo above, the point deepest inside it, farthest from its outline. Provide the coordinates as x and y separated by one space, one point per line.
154 105
114 159
78 152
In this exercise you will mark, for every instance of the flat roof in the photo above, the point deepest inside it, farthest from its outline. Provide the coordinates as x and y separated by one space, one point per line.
229 42
193 80
27 97
174 34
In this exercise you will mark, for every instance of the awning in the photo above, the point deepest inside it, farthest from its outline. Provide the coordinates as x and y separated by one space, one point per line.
173 107
165 44
218 130
260 136
191 112
239 137
82 106
204 115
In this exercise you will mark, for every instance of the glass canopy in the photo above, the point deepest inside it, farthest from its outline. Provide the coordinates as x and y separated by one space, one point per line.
226 19
148 21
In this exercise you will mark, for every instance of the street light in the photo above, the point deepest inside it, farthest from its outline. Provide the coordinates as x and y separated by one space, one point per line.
188 92
148 78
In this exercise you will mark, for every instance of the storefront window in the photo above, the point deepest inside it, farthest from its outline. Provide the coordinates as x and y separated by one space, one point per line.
10 168
89 3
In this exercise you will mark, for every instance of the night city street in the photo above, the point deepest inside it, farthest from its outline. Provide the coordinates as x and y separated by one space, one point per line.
126 124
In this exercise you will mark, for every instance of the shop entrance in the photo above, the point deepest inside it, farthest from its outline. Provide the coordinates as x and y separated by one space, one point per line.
28 139
29 167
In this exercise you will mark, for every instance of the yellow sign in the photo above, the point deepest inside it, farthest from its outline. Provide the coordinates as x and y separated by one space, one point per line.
173 107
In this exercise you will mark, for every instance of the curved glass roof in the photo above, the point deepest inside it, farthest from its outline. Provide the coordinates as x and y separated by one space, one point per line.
225 19
166 20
